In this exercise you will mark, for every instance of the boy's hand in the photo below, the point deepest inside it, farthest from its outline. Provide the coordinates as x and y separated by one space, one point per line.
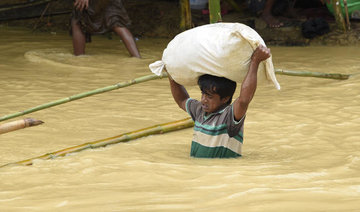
169 76
261 53
81 4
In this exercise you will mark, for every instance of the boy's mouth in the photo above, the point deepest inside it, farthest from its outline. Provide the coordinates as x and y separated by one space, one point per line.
205 107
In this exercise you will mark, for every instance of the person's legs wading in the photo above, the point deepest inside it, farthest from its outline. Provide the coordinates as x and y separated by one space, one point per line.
128 40
78 38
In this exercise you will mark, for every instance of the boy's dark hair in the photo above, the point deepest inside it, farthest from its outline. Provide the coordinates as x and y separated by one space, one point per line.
219 85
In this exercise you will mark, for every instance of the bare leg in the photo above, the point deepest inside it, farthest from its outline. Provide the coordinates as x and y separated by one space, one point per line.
268 17
78 38
128 39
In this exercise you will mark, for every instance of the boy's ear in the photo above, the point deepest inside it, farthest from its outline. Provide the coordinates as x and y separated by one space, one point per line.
225 99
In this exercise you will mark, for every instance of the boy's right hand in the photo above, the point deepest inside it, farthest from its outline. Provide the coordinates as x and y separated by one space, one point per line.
169 76
261 53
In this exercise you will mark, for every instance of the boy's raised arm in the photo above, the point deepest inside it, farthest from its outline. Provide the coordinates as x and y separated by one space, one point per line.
179 93
248 86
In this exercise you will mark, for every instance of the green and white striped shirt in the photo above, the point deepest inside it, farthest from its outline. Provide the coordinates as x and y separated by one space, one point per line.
216 135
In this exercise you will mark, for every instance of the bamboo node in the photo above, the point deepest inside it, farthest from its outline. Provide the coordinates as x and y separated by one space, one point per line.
51 156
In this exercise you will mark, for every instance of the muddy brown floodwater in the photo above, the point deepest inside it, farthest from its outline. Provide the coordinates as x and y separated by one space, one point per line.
301 144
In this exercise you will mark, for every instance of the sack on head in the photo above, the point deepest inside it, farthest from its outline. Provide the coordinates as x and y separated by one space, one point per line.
221 49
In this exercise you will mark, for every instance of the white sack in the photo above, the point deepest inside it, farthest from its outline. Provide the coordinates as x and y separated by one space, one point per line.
221 49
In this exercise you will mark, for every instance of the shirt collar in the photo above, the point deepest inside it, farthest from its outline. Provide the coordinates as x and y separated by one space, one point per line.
221 110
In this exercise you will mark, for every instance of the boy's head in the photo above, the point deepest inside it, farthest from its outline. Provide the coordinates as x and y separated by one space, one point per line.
215 92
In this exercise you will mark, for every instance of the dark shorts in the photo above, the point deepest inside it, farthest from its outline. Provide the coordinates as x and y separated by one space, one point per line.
101 16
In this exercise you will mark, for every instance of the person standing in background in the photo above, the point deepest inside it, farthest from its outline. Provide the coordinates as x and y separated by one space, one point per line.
264 9
91 17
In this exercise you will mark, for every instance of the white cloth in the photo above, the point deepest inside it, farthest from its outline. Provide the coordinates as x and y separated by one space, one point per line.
221 49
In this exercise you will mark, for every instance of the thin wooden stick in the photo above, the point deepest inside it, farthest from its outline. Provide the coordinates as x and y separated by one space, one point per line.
11 7
185 19
339 18
42 15
347 14
85 94
156 129
312 74
19 124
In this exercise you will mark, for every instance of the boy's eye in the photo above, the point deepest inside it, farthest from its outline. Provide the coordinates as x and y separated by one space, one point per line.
207 95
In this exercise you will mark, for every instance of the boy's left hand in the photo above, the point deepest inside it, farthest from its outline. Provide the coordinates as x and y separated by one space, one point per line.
261 53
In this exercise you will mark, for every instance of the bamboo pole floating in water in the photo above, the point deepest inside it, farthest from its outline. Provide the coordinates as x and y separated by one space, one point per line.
153 77
312 74
19 124
85 94
156 129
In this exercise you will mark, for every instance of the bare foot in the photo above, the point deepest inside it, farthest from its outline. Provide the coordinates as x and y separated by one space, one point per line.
271 21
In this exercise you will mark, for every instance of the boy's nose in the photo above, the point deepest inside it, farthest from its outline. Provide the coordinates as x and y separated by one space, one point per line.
203 99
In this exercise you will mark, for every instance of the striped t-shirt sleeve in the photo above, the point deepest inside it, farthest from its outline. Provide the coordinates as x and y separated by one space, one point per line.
192 107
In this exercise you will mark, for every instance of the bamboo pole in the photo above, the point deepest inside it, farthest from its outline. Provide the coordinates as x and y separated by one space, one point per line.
85 94
156 129
312 74
185 21
19 124
215 11
153 77
11 7
339 18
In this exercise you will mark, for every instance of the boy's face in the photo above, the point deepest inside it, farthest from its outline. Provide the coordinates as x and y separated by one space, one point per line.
211 102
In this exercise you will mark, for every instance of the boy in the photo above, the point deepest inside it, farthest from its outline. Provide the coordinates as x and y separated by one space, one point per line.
218 130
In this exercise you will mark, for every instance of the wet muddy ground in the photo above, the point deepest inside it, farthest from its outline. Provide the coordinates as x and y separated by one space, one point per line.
160 18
